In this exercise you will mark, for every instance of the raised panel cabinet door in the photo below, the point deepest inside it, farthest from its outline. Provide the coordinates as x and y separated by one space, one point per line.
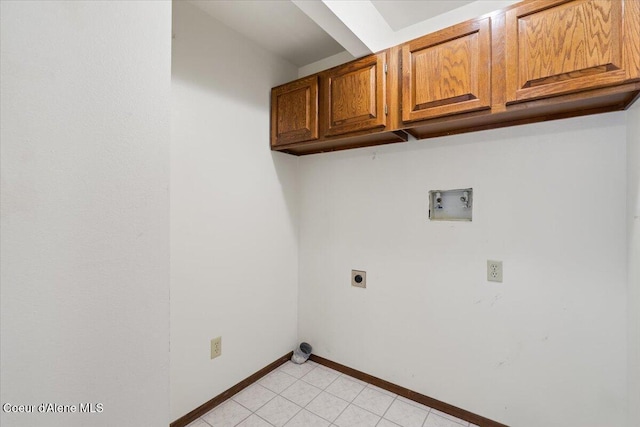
558 47
294 111
354 96
447 72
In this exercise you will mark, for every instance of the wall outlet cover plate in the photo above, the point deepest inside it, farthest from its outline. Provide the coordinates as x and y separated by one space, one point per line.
359 278
494 271
216 347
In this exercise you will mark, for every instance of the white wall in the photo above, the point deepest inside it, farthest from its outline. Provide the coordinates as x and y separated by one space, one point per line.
633 259
85 210
545 348
234 247
325 64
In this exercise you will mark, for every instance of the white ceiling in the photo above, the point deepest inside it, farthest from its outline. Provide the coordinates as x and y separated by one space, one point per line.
307 31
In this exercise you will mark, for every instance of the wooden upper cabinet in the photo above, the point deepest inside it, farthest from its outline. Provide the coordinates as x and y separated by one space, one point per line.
354 96
533 61
447 72
294 111
558 47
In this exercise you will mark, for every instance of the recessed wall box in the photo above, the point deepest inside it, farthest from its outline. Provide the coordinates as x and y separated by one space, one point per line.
451 205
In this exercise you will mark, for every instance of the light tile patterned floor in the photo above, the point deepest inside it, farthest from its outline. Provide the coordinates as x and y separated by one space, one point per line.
311 395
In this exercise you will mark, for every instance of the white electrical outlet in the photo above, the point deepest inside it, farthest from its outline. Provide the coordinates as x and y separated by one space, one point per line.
216 347
494 271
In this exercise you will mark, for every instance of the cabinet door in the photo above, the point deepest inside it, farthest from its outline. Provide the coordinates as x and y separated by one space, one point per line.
294 112
447 72
354 96
557 47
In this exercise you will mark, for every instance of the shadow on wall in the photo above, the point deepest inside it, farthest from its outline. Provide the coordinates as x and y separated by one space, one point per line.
287 170
219 64
219 59
544 130
633 254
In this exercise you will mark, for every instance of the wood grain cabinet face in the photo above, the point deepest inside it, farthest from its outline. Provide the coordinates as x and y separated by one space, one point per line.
558 47
294 112
354 96
447 72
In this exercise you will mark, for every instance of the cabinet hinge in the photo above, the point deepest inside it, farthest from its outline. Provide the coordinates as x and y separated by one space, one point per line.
386 110
386 68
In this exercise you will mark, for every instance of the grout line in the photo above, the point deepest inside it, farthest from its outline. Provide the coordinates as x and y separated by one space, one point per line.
387 410
340 397
341 412
359 393
449 418
296 403
266 421
415 404
329 385
249 409
294 415
365 409
360 407
389 421
242 420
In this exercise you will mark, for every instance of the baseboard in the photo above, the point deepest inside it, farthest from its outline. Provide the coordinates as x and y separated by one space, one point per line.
409 394
207 406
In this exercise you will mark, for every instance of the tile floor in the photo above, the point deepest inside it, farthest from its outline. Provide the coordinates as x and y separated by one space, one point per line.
311 395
